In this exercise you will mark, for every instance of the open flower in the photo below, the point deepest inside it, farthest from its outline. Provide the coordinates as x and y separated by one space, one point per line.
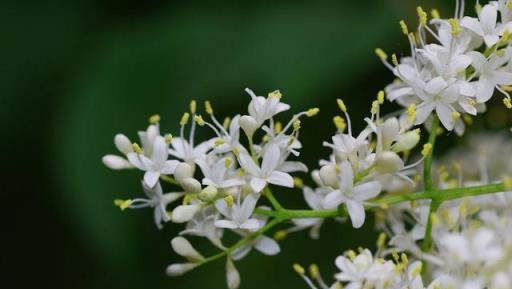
238 214
352 196
485 26
490 74
261 108
156 165
268 172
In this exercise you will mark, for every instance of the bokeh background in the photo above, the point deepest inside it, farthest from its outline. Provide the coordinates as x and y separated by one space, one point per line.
73 74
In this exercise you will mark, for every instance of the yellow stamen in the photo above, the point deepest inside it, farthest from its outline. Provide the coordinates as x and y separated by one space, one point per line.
299 269
341 105
137 148
381 241
228 162
122 204
226 122
280 235
405 30
375 107
298 182
381 54
312 111
296 125
455 26
278 127
435 14
193 107
229 201
426 150
455 115
340 123
168 138
275 94
422 15
507 103
208 107
199 120
380 97
314 271
184 118
411 112
154 119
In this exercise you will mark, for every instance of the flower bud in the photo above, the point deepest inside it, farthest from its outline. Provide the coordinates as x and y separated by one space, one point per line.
183 171
183 248
151 133
232 275
329 175
191 185
179 269
116 162
184 213
248 124
406 141
123 144
208 193
388 163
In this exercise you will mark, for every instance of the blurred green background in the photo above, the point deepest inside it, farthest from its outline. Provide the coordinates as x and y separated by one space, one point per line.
73 74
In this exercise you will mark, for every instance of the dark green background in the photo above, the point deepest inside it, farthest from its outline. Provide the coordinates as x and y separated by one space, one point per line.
73 74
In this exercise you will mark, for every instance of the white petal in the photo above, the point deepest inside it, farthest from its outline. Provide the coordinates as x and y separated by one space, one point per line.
290 167
160 152
280 179
267 246
116 162
151 177
435 85
270 159
356 213
226 224
135 160
240 253
423 111
257 184
251 225
333 200
445 115
478 60
484 89
502 77
347 177
123 143
472 24
248 206
367 190
248 164
490 40
169 167
488 16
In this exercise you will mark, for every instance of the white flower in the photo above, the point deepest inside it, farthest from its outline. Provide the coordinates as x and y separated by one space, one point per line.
218 174
184 213
268 172
485 26
262 109
203 225
156 199
363 269
238 214
186 151
262 244
352 196
232 275
490 74
156 165
183 248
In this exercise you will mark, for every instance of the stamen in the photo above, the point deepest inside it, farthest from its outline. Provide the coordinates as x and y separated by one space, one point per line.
184 119
136 148
208 107
193 106
312 112
403 25
122 204
381 54
154 119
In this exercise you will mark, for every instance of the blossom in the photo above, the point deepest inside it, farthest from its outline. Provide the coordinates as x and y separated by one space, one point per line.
156 165
262 109
490 73
157 200
185 150
352 196
485 26
363 268
238 214
218 174
268 172
116 162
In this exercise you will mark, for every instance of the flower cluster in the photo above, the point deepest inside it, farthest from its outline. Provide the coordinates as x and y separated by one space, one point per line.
445 223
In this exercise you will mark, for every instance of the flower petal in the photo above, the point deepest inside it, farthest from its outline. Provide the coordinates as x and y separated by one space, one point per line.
257 184
270 159
151 177
356 213
280 179
367 190
267 246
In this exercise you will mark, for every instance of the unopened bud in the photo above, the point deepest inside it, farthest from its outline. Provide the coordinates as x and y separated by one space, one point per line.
179 269
183 171
184 213
191 186
123 144
208 193
183 248
388 162
248 124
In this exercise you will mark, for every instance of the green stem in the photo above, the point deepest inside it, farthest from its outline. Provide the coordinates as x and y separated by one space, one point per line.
275 203
438 195
427 163
434 205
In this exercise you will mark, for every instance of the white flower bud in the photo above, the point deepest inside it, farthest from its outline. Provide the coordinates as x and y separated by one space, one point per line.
116 162
208 193
389 129
407 141
151 133
184 213
123 144
388 162
248 124
329 175
183 248
179 269
183 171
232 275
191 186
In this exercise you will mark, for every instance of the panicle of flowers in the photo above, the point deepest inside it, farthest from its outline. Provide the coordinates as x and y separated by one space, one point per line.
218 182
455 66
